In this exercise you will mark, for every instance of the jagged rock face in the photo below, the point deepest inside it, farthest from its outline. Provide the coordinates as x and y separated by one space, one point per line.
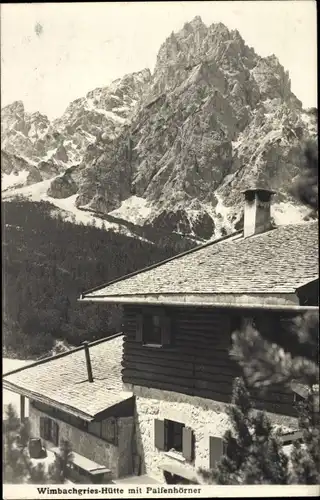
269 152
101 114
21 131
54 147
16 171
214 118
63 187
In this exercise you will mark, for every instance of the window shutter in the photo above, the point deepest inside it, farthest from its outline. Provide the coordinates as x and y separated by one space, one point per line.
115 431
160 434
216 450
165 330
47 428
42 427
187 444
55 433
139 328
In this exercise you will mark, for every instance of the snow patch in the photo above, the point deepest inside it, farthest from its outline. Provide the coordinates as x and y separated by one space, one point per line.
88 136
28 160
109 114
221 216
288 213
34 192
10 180
68 210
74 214
49 154
121 108
136 148
235 144
133 209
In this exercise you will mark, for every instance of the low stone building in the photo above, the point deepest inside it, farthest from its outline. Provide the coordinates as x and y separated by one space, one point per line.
78 396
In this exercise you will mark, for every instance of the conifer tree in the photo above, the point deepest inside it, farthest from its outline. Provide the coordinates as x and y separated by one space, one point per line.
305 456
18 467
265 363
253 450
13 465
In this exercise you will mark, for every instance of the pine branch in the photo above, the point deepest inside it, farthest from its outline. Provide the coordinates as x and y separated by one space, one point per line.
265 363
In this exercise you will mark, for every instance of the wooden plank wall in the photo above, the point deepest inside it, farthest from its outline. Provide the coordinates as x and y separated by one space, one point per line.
197 363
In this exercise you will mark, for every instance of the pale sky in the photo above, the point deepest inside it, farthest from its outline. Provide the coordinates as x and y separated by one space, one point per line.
54 53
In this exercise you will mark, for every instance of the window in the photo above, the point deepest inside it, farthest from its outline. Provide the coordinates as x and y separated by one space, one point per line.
60 415
107 430
152 333
49 430
153 328
175 430
174 436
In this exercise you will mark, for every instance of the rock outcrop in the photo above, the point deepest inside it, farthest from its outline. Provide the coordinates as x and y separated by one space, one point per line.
54 147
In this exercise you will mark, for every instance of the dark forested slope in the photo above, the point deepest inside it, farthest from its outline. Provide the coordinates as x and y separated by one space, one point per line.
47 263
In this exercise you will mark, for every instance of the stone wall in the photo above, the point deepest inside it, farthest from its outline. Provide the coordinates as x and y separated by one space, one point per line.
117 458
206 418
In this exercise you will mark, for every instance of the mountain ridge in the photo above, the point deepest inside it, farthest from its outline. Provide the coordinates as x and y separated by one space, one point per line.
182 142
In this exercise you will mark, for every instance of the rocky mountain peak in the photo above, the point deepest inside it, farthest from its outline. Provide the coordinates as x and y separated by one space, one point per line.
216 117
16 107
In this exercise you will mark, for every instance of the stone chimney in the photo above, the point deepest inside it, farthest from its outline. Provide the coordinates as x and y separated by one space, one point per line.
88 360
257 204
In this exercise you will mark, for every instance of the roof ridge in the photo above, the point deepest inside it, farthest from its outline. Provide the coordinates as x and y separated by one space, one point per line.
157 264
61 354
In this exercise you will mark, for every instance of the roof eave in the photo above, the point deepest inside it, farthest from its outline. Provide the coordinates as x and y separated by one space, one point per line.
44 399
62 406
285 300
307 282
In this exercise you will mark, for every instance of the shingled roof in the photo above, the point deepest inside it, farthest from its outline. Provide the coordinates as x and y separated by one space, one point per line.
62 380
279 261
